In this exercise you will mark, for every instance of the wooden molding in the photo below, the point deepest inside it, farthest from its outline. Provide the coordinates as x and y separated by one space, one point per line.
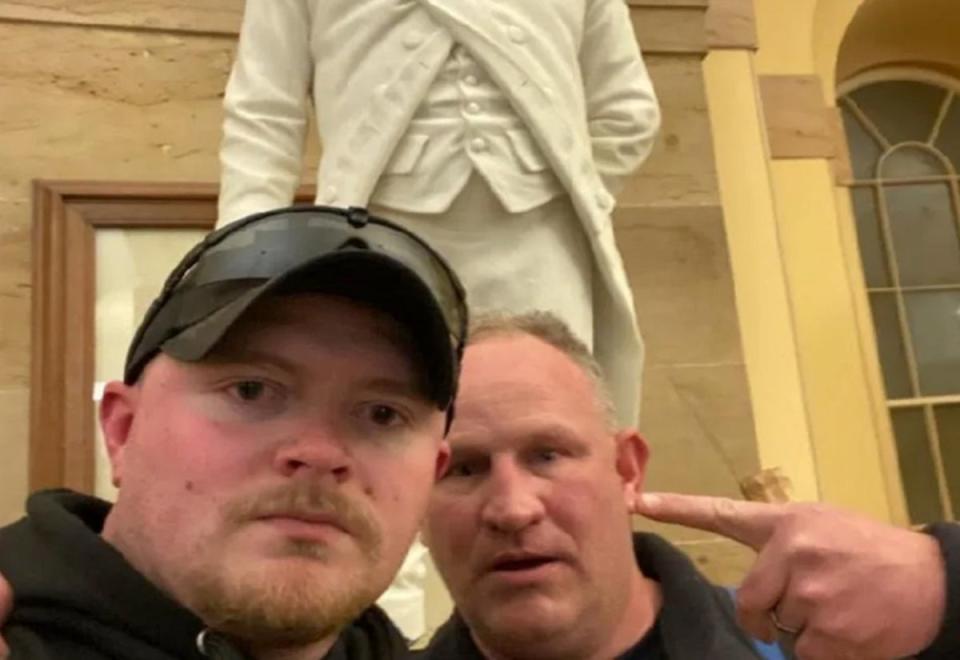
800 123
731 24
662 26
670 28
66 216
841 162
665 26
798 120
197 17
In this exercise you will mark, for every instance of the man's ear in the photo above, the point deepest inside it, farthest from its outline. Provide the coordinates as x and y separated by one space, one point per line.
117 411
632 456
443 464
443 460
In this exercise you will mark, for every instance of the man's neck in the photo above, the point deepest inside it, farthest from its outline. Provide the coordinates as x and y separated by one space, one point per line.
640 615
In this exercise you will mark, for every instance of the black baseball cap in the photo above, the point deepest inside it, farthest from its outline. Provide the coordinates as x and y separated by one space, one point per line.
323 249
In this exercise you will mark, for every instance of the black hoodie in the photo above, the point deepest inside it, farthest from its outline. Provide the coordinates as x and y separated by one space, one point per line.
76 597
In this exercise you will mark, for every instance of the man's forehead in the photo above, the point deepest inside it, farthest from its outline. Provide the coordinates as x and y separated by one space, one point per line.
515 433
516 387
528 366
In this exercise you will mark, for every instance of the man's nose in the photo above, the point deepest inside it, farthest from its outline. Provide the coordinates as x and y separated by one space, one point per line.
514 501
317 449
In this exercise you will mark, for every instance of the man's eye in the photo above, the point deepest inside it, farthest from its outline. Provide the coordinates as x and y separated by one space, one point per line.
249 390
384 415
546 455
463 469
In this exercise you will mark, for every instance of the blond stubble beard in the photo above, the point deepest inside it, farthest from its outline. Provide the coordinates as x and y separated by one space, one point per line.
282 607
305 602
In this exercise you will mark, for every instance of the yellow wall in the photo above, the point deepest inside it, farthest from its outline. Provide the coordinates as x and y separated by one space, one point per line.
810 355
844 433
807 329
803 37
831 23
910 32
763 299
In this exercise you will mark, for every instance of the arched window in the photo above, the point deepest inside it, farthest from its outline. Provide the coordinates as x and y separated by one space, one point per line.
904 136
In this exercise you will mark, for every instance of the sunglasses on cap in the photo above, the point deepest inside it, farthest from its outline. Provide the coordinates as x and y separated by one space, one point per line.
339 251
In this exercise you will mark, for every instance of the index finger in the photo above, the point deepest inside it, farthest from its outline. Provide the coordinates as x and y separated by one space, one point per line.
749 523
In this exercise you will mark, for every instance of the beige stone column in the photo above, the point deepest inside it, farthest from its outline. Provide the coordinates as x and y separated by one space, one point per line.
670 228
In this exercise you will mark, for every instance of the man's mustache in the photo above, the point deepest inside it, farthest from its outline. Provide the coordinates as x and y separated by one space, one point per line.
307 499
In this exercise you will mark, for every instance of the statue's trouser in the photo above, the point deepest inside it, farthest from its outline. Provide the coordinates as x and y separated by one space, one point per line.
512 262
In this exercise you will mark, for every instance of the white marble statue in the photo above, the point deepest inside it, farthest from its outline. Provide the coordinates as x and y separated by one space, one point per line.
499 130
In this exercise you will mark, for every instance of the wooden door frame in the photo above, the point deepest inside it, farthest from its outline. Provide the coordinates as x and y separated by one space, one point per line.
66 216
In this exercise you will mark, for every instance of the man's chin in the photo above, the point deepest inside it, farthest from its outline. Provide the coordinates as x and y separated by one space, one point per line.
296 562
284 601
528 618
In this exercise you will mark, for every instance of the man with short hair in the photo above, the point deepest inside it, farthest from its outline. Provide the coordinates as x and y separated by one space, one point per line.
274 441
530 529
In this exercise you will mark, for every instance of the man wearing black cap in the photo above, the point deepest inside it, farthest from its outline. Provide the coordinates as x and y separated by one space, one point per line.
274 441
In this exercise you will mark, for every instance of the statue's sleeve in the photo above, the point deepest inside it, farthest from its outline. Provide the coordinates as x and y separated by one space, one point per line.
623 115
266 109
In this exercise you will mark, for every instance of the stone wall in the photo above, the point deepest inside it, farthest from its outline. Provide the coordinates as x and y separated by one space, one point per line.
670 228
115 91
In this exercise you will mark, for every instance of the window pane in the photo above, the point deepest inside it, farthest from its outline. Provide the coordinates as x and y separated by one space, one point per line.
871 240
916 466
902 110
924 233
948 430
893 357
864 151
934 318
949 140
912 163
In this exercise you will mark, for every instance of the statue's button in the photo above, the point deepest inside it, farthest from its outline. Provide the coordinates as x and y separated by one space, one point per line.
412 39
517 34
604 200
478 144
